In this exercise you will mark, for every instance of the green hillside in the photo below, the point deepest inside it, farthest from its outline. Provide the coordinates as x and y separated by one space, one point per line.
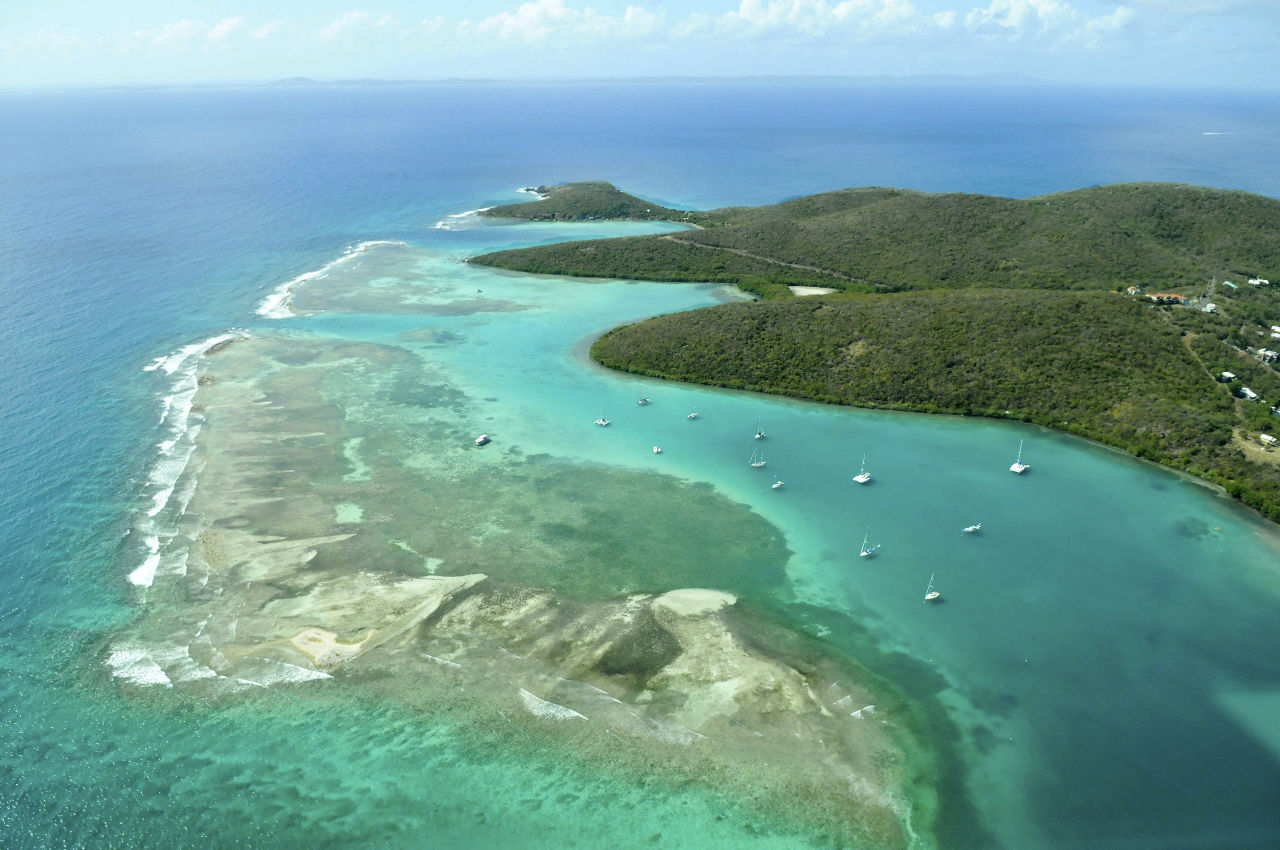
1152 235
584 201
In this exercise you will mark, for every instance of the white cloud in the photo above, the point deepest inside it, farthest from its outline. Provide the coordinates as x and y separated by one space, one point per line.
225 27
348 22
266 30
175 33
856 20
1055 22
1203 6
542 21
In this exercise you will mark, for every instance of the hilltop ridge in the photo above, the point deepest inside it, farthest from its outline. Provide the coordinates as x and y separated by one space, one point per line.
883 239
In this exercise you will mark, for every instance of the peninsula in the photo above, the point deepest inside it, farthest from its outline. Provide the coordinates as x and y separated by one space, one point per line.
1137 315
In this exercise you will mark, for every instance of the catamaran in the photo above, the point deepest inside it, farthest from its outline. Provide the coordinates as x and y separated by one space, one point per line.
759 430
603 420
757 459
867 549
1018 467
642 401
863 476
931 595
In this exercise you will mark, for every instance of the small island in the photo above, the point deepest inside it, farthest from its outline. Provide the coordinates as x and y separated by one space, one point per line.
1137 315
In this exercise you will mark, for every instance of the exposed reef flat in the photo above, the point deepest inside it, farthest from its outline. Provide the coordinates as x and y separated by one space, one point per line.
345 528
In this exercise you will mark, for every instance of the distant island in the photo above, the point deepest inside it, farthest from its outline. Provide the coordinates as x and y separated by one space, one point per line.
1137 315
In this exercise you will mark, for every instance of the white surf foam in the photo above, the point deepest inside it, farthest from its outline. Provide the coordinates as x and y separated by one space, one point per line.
461 221
169 363
279 303
157 524
267 672
146 572
135 665
543 708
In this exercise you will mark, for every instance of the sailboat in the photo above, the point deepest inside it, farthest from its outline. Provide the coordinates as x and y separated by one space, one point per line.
642 401
867 549
693 414
863 476
759 430
931 595
1018 467
603 420
757 459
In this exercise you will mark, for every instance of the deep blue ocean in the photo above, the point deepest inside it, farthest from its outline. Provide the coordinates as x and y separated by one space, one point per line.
133 223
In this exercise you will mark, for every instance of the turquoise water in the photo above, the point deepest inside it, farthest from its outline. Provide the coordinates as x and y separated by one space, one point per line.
1100 674
1102 654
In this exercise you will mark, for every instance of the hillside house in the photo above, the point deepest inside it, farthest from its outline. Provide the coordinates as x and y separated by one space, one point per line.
1227 377
1266 440
1247 394
1266 355
1133 290
1210 307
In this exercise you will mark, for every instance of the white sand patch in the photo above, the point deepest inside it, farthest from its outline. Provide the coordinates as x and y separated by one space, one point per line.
324 647
811 290
693 602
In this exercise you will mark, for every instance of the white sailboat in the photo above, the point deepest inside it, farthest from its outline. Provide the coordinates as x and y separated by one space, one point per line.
1018 467
863 476
757 459
760 435
931 595
642 401
603 420
867 549
693 414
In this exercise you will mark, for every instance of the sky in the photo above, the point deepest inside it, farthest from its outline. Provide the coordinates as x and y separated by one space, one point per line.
1216 43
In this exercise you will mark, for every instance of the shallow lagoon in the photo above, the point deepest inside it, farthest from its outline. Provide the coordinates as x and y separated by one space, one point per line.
1099 670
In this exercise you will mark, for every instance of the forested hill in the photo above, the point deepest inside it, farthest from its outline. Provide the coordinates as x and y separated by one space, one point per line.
585 201
873 239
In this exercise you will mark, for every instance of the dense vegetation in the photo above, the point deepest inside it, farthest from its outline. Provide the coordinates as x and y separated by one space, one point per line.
977 305
1152 235
583 202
